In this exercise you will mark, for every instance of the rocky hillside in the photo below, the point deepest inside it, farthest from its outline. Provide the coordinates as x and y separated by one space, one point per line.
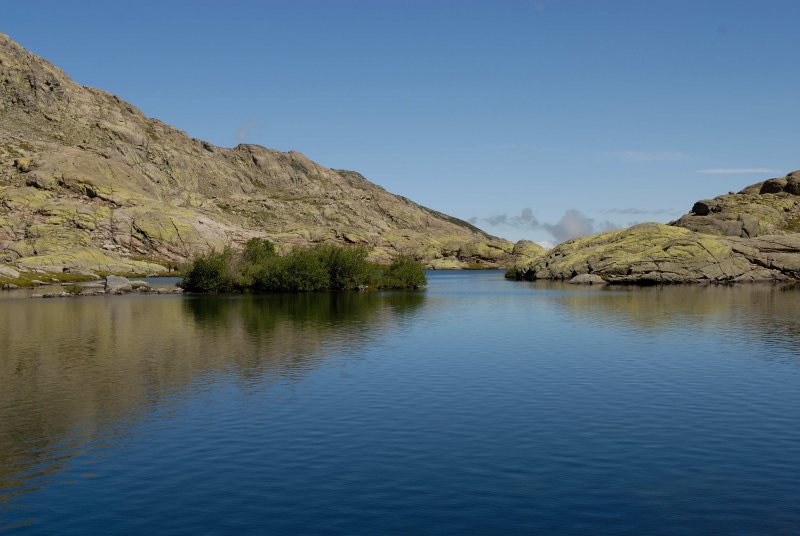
87 182
753 235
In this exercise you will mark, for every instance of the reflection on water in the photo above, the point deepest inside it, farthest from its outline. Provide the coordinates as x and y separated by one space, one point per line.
767 312
69 367
479 405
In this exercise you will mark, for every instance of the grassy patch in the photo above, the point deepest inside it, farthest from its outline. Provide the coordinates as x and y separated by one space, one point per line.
73 289
793 224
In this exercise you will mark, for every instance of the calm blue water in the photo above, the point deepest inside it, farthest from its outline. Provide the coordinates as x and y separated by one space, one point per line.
477 406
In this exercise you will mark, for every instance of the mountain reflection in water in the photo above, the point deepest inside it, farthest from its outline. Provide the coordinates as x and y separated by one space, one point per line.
479 405
72 367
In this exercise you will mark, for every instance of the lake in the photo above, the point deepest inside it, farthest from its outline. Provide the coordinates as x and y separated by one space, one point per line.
477 406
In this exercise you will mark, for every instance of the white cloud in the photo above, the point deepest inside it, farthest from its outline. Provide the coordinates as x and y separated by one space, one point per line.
573 223
736 171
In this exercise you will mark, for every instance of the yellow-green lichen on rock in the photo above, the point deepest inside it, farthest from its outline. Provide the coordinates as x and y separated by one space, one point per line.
79 158
749 236
88 259
649 253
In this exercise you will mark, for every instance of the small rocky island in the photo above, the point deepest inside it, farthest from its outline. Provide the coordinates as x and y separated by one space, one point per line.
750 236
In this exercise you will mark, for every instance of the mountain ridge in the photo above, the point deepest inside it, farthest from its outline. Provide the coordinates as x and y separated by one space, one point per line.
88 182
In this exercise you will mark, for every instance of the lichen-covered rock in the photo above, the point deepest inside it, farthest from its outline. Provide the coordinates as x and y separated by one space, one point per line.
765 208
448 263
750 236
23 164
655 253
8 272
85 260
492 250
526 248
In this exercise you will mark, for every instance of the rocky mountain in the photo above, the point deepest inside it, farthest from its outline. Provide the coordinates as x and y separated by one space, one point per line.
87 182
753 235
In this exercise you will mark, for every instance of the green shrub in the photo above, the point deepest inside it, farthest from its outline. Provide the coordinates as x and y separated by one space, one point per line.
257 251
301 270
322 267
403 272
211 272
347 268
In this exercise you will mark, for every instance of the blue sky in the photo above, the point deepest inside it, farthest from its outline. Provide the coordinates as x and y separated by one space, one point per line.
538 118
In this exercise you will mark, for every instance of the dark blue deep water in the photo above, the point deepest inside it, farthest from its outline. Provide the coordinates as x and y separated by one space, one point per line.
478 406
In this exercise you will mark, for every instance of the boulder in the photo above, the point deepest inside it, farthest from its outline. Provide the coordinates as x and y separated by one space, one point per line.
773 186
9 272
526 248
487 250
41 181
766 208
23 164
116 284
793 183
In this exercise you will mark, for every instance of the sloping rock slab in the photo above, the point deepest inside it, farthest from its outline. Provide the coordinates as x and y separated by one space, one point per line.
653 253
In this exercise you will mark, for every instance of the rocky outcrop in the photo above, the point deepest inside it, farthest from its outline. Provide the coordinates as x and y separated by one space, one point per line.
765 208
750 236
527 249
87 182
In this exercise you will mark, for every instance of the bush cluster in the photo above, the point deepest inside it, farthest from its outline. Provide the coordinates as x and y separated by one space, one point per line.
322 267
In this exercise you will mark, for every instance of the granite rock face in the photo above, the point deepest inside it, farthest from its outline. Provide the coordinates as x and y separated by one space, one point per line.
750 236
771 207
87 182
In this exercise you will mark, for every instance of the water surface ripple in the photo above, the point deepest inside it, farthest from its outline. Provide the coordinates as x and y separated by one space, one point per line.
477 406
